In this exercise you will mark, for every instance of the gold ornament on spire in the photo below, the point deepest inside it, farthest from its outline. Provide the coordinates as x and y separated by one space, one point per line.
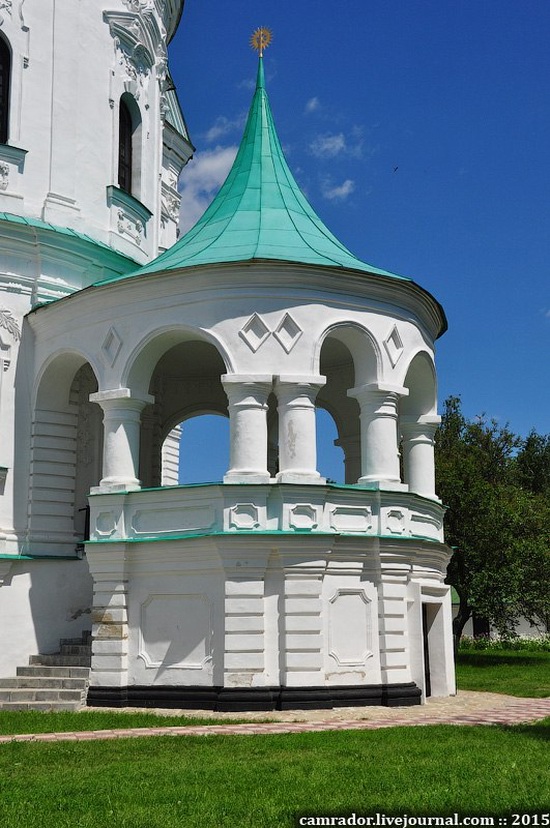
261 39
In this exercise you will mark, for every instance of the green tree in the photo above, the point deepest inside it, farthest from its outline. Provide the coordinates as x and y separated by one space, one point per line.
499 528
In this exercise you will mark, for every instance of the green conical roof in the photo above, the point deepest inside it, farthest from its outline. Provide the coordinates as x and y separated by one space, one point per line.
259 212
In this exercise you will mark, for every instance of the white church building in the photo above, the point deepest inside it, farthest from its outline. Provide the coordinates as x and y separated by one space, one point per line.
272 588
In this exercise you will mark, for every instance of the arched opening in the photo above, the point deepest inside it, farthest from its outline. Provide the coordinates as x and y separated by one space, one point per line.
129 146
417 423
421 382
337 365
187 389
66 454
5 79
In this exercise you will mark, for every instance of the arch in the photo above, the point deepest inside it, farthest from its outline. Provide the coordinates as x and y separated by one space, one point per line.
141 363
185 382
421 381
57 369
337 364
363 347
5 85
66 451
129 145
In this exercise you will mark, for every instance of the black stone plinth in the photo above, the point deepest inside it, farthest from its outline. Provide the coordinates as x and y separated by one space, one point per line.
241 699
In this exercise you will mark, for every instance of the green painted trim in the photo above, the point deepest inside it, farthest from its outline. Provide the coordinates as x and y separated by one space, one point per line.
263 533
5 557
64 231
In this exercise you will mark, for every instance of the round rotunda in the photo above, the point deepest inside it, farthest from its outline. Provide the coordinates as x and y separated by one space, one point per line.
274 588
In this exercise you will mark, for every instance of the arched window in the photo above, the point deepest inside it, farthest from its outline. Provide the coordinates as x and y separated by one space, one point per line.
125 165
5 72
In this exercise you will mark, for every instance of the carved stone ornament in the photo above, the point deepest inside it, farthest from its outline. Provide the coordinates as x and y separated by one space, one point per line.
7 5
127 227
4 175
170 203
9 322
138 6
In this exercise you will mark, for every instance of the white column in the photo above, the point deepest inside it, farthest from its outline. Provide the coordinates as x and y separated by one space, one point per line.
297 433
121 433
379 446
418 453
247 396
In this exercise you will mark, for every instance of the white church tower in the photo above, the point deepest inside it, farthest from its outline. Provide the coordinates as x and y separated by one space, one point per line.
272 588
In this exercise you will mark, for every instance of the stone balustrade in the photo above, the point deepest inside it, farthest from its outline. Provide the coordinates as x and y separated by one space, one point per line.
171 512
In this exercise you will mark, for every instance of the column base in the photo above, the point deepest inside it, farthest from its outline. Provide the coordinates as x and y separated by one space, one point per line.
386 485
300 477
241 699
246 477
113 485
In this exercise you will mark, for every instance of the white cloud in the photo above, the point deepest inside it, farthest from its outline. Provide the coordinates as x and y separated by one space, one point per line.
312 105
338 192
201 180
328 146
223 126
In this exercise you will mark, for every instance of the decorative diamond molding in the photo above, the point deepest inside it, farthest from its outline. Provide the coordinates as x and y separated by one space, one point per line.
287 332
394 346
303 516
395 521
105 524
254 332
111 346
244 516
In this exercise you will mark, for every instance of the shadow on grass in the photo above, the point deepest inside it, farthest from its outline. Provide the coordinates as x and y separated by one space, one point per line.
539 731
497 659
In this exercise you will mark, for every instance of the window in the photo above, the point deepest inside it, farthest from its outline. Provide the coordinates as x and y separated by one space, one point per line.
125 148
5 71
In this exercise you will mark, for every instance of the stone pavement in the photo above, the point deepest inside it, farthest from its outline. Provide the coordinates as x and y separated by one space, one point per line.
466 708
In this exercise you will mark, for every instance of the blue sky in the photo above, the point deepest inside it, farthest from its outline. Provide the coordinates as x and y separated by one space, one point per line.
420 132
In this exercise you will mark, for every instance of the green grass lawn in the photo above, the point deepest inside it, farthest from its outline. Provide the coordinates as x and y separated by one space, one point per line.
33 721
516 672
265 781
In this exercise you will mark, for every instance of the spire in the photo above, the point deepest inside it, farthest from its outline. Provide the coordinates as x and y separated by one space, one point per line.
260 212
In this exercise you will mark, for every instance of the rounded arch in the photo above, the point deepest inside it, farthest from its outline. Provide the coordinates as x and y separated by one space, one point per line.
138 370
361 344
55 376
421 381
66 451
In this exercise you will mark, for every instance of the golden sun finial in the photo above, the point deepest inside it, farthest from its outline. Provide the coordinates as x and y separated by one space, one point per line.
261 39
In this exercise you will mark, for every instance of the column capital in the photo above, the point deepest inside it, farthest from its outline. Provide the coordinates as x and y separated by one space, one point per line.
240 386
377 391
121 398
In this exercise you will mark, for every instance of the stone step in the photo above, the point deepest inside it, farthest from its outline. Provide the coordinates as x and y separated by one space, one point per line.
61 660
44 682
39 670
47 707
18 694
75 649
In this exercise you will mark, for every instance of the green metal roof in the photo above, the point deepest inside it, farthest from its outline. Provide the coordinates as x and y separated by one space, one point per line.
259 212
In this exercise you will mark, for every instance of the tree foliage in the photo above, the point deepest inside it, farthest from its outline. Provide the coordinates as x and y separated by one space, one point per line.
497 490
